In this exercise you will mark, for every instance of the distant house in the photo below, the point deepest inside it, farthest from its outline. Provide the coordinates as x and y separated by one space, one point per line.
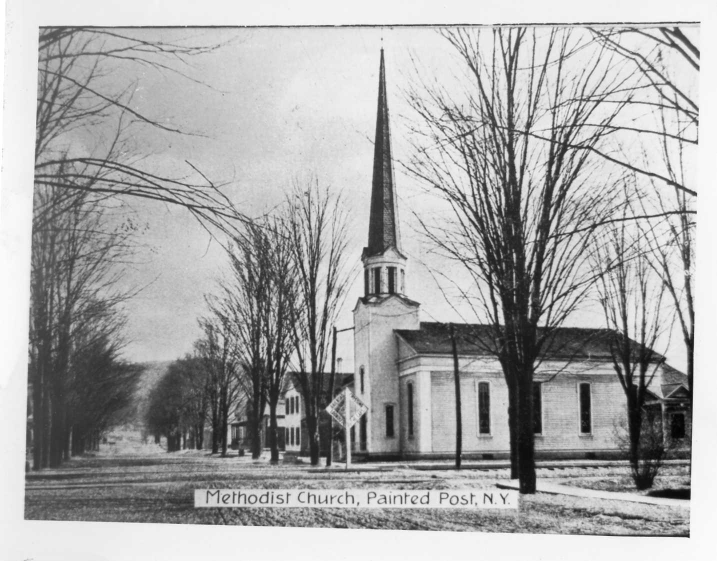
296 432
239 433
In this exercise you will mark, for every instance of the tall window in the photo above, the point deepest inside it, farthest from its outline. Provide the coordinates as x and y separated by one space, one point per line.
366 284
409 396
363 432
483 408
362 373
287 436
537 408
377 280
298 436
297 405
403 282
391 280
585 409
389 421
677 426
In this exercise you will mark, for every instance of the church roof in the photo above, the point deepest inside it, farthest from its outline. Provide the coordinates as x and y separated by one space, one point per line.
477 340
383 232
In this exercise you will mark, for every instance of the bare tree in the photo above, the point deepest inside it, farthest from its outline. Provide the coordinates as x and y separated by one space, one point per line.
76 99
259 299
666 63
218 352
631 296
510 159
317 225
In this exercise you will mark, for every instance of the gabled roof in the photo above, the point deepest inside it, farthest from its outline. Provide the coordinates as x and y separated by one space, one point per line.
478 340
341 379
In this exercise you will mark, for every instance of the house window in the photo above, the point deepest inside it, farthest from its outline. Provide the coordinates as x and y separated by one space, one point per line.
363 431
287 437
403 282
298 436
677 426
537 408
366 283
377 280
297 405
362 372
391 280
483 408
409 391
585 409
389 421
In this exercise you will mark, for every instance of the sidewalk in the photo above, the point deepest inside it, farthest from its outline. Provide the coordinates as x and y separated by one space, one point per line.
556 489
478 465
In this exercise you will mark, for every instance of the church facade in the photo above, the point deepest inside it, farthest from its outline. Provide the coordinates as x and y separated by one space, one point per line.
404 367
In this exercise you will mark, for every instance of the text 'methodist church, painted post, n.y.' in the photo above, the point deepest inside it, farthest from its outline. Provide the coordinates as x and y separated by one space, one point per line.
404 367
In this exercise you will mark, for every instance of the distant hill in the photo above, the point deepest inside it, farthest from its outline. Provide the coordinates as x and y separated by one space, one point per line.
153 373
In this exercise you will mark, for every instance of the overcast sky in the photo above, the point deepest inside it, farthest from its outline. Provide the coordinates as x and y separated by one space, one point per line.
276 105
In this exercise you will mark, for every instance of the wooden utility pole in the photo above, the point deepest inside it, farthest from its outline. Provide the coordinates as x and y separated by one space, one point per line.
457 380
332 386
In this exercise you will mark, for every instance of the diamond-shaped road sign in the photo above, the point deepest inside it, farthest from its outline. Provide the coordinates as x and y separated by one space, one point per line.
337 408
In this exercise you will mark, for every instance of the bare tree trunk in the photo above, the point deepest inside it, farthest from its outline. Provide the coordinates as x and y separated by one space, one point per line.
273 430
513 425
312 428
526 441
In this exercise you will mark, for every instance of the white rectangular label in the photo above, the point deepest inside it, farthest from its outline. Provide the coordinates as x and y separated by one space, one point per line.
355 498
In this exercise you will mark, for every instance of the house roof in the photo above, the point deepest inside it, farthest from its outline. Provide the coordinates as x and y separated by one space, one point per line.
342 378
478 340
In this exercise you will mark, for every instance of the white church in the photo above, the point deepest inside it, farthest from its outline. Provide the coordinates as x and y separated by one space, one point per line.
404 367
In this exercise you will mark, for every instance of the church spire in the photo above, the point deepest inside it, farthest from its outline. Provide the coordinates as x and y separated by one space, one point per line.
384 263
383 232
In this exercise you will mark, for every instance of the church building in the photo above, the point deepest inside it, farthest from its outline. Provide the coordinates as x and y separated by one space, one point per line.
404 367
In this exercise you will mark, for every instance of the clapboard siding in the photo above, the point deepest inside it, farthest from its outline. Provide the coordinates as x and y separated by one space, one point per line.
560 413
443 406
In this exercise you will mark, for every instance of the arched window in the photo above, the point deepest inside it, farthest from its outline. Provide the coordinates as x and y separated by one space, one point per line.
362 375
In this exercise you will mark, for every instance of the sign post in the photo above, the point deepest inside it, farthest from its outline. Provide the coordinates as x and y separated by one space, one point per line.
346 409
347 430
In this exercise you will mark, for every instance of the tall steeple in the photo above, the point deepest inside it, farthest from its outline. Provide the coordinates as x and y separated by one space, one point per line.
383 231
384 263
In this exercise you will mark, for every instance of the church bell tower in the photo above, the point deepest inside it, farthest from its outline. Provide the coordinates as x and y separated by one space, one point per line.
384 306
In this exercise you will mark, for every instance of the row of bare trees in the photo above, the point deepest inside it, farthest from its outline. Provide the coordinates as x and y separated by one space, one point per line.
272 314
281 299
87 166
548 207
78 383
